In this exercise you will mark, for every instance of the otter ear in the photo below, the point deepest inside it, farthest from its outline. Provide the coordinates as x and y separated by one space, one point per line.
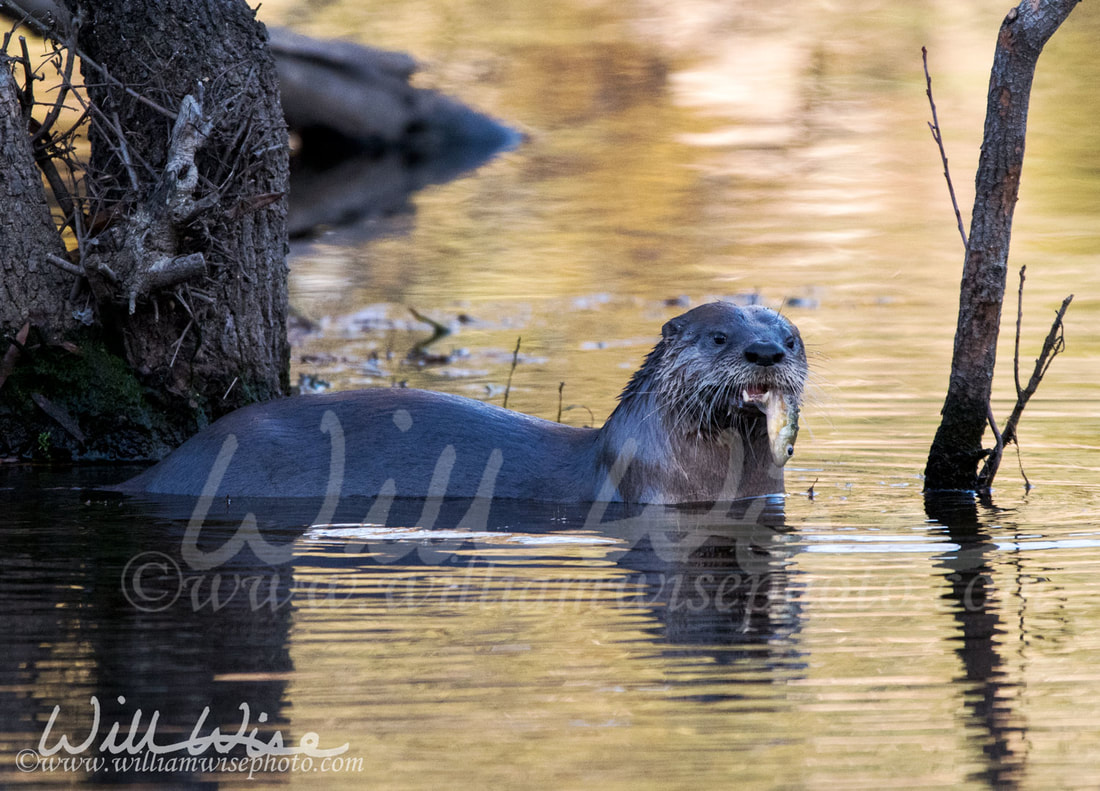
672 328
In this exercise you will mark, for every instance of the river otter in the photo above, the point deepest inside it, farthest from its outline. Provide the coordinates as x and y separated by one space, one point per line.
711 415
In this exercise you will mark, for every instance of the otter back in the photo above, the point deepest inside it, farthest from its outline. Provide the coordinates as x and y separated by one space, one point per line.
353 443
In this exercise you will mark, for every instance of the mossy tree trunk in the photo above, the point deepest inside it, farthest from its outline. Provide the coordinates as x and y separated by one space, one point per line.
172 308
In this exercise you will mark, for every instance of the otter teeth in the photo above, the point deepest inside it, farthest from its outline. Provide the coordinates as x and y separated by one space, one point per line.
754 395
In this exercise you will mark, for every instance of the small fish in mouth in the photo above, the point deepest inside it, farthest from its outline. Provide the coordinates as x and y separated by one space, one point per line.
782 420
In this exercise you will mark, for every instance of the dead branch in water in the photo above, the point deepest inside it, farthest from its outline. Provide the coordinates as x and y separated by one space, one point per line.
957 448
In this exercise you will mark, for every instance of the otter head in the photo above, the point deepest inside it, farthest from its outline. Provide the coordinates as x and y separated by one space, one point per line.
719 366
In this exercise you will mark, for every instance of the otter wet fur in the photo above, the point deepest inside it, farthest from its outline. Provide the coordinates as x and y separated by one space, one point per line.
711 415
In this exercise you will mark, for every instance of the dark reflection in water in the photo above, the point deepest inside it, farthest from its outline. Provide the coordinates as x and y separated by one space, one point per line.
80 638
338 181
719 587
134 605
977 608
714 580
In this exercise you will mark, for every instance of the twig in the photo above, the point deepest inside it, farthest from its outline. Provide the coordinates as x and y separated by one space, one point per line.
86 60
179 343
44 22
993 460
512 370
1054 345
62 94
45 146
180 299
124 154
1020 461
1019 323
81 236
97 116
438 331
591 414
934 126
57 184
64 266
561 387
28 90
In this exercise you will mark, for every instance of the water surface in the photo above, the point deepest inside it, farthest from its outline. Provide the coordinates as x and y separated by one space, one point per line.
676 153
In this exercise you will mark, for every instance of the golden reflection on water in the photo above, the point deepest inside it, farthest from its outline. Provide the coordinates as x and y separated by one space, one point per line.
639 183
711 149
560 666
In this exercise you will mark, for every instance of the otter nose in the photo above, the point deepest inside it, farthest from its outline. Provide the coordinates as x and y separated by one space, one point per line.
764 353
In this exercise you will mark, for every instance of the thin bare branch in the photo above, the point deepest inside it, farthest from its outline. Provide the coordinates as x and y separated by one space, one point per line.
124 154
62 94
1054 345
57 184
28 89
934 126
512 370
179 341
1020 461
993 460
106 75
102 121
1019 324
134 94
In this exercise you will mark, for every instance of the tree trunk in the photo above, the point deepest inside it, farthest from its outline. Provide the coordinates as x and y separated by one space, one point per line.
28 285
957 447
181 239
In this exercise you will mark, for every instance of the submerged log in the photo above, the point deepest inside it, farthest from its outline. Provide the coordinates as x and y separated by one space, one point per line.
355 91
367 138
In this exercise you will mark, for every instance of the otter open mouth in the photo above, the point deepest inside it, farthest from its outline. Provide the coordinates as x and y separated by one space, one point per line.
782 419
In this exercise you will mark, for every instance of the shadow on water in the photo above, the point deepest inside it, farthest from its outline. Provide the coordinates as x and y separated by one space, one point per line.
977 607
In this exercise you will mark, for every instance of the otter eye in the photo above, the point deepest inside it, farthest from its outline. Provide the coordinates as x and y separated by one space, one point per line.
719 338
790 342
